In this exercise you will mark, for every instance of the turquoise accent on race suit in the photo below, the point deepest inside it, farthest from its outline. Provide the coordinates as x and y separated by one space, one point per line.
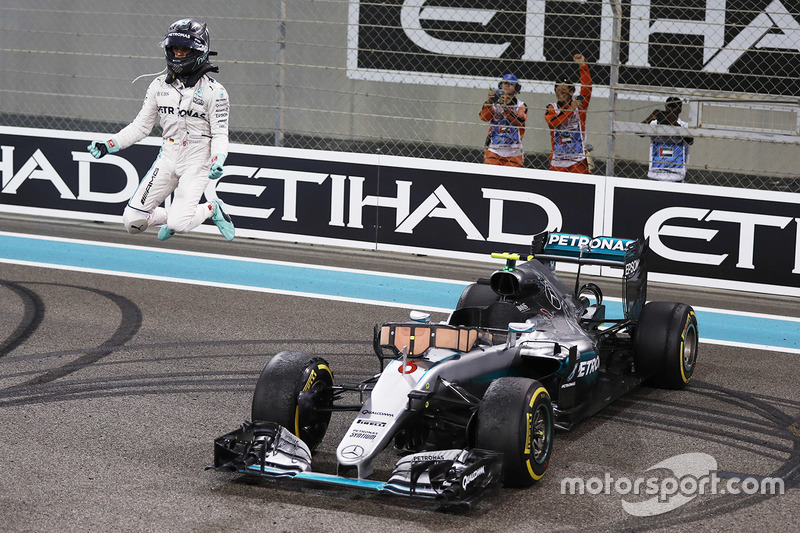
111 147
217 163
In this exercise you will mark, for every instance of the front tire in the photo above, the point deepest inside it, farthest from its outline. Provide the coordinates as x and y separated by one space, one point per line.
295 390
665 344
516 418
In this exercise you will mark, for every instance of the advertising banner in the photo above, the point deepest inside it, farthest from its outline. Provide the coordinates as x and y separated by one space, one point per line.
479 211
700 235
744 237
309 196
52 170
712 45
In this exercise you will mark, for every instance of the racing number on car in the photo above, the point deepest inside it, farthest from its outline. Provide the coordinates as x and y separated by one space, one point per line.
409 368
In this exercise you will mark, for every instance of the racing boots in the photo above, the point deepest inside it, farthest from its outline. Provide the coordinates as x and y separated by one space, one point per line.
222 220
165 233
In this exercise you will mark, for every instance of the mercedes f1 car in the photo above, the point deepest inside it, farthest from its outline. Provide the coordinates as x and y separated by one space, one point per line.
474 401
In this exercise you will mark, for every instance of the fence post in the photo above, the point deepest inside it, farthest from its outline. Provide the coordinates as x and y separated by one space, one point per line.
281 76
616 30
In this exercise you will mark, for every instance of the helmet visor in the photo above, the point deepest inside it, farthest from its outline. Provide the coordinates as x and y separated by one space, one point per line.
177 38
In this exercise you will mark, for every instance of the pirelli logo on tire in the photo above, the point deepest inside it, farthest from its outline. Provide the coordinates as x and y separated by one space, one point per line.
311 378
528 431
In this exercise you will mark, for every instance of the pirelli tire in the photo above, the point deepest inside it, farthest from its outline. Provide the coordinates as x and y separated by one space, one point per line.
515 417
665 344
295 390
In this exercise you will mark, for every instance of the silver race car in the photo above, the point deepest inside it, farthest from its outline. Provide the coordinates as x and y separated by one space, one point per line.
474 401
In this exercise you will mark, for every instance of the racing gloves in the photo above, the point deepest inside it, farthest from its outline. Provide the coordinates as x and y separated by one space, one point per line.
216 166
100 148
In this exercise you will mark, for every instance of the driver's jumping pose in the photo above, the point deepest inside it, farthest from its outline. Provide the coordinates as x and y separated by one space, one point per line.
193 112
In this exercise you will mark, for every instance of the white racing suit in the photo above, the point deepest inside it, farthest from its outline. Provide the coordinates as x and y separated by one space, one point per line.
194 121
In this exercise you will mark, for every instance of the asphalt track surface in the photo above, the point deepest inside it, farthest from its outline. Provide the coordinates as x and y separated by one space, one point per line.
112 390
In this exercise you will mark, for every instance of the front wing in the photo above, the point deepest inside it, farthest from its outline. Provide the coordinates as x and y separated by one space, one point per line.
454 477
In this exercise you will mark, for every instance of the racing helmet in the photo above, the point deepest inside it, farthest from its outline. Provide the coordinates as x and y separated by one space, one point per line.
189 33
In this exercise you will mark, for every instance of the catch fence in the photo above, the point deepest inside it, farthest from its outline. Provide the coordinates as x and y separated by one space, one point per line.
408 77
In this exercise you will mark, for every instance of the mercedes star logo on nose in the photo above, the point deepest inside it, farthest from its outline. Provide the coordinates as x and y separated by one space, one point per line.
353 451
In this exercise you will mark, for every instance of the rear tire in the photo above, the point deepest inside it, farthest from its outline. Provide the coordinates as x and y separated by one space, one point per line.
291 390
665 344
516 418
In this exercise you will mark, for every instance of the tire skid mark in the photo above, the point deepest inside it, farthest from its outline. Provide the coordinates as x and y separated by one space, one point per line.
142 383
40 388
744 401
130 322
122 383
194 357
33 315
699 431
780 401
721 505
203 344
114 394
136 390
170 377
655 410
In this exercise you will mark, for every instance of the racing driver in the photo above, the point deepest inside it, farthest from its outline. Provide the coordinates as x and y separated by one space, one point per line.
192 108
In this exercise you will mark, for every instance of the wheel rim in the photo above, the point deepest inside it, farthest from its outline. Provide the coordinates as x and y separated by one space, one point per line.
318 396
311 423
690 349
541 434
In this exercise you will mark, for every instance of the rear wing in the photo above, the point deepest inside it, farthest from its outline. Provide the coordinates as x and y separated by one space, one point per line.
580 249
627 254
